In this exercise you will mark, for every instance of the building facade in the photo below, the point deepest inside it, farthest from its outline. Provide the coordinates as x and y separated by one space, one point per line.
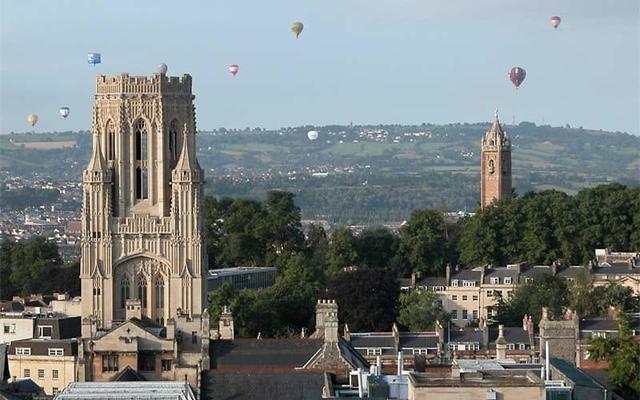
143 258
495 168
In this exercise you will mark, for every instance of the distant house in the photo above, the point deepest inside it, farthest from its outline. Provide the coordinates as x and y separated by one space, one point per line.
471 294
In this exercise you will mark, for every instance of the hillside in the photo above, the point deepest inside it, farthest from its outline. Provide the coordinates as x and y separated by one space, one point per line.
365 174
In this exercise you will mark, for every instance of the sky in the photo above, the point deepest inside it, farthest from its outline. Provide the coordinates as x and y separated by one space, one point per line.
360 61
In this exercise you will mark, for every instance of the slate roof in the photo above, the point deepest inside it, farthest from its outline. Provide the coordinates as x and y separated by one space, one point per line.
466 336
40 347
605 324
576 375
372 340
431 281
298 385
511 334
501 272
617 268
255 354
414 341
466 275
535 269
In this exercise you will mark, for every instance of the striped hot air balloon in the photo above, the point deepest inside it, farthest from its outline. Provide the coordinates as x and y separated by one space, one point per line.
233 69
555 21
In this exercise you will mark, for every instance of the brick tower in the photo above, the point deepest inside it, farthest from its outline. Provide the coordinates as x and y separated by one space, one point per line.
495 167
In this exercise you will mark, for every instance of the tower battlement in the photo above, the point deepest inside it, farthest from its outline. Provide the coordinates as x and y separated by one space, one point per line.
155 84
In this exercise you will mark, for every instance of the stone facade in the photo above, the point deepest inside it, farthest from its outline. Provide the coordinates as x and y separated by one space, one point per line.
495 165
562 336
142 224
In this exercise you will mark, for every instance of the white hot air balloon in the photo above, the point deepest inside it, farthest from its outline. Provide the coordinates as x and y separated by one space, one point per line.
162 69
312 135
32 119
64 112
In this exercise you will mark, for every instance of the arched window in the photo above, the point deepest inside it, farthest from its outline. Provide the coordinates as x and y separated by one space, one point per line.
124 292
142 178
159 295
173 141
111 141
491 166
142 291
141 141
145 184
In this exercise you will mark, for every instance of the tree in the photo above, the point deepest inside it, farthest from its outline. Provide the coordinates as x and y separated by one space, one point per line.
544 290
580 295
342 251
420 309
367 298
623 355
590 301
424 241
376 247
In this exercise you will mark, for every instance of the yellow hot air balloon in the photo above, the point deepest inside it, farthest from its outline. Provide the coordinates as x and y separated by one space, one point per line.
297 28
32 118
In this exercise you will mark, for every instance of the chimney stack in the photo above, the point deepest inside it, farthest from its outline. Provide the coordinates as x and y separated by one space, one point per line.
448 274
501 344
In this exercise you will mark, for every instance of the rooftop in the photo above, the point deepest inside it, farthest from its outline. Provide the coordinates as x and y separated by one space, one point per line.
163 390
214 273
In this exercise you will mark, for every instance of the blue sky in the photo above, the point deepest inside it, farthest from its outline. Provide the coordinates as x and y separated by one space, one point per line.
361 61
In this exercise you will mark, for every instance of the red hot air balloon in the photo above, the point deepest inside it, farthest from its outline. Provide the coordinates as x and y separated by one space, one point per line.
555 21
517 75
234 69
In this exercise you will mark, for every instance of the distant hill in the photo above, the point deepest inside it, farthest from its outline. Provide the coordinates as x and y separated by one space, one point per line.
365 174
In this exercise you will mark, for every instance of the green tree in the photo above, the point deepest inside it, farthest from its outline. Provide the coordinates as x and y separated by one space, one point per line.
376 247
424 241
6 289
420 309
623 355
367 298
342 251
544 290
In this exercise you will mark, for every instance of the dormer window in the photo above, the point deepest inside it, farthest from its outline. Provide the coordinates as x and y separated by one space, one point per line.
507 280
454 282
495 281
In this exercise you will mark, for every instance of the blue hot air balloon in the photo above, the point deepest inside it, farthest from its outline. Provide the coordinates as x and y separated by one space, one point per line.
93 58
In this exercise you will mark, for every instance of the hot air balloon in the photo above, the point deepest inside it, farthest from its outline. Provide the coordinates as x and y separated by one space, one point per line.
32 119
93 58
162 69
517 75
234 69
312 135
297 28
64 112
555 21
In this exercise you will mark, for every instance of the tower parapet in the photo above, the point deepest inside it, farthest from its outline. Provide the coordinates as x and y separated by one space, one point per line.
155 84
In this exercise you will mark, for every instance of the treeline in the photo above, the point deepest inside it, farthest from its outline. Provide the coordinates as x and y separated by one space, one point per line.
26 197
550 225
538 228
35 266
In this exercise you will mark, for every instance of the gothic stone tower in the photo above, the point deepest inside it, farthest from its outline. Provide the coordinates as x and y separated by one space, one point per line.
495 165
141 213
